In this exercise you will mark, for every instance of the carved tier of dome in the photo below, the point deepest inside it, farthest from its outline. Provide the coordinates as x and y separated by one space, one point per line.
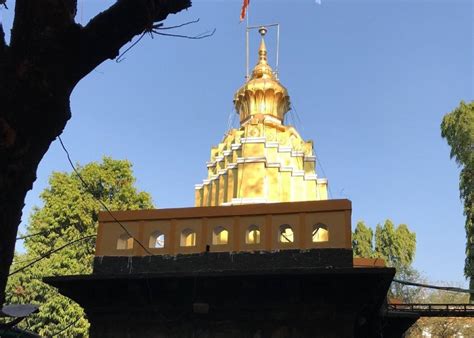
262 95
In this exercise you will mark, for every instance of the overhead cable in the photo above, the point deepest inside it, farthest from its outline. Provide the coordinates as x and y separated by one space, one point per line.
49 253
99 200
444 288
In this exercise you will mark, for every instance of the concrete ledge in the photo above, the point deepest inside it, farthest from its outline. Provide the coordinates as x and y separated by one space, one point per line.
237 210
225 262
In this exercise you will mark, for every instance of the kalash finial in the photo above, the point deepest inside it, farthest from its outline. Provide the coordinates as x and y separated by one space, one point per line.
262 69
262 52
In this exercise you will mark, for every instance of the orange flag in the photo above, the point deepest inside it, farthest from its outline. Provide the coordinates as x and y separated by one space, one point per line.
244 9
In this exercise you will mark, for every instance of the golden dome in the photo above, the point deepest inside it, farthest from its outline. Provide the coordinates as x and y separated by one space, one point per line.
262 95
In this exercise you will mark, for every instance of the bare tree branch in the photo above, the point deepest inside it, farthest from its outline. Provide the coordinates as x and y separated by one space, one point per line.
47 55
191 37
158 27
37 21
105 34
120 58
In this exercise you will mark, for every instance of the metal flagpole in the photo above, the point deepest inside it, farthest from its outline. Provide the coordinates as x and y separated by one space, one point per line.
247 45
278 50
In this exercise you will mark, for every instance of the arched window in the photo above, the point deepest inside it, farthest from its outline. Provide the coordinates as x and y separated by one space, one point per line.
157 240
286 234
124 242
220 236
188 238
252 236
320 233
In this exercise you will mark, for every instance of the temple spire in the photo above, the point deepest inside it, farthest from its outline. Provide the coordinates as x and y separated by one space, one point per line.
262 68
263 160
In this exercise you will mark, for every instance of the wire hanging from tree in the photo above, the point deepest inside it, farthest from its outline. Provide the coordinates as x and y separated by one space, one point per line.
156 28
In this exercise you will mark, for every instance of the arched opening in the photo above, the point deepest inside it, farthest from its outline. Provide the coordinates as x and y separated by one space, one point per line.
252 236
286 234
188 238
157 240
124 242
220 236
320 233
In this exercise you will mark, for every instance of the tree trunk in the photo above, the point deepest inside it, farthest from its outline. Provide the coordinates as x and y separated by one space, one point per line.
48 55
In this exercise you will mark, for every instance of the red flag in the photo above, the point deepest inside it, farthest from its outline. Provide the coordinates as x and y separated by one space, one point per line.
244 9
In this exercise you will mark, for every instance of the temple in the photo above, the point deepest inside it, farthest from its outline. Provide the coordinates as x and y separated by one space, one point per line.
264 252
264 161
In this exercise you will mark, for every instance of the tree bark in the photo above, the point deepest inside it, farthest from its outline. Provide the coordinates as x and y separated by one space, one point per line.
48 55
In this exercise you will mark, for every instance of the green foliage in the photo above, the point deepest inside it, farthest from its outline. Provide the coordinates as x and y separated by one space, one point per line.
458 130
396 246
362 241
408 294
69 212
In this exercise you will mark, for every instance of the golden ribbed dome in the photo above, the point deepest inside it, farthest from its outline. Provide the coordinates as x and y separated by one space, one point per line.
262 95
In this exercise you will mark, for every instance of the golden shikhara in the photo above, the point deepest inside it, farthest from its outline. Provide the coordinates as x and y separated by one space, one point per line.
264 161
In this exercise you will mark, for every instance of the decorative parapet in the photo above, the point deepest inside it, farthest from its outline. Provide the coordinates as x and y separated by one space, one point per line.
237 228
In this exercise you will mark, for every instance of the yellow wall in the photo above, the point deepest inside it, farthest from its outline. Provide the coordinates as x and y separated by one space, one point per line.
301 216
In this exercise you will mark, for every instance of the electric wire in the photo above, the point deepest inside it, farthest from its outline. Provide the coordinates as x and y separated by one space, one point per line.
23 261
437 287
32 235
48 231
229 122
26 330
99 200
66 328
318 159
231 119
49 253
242 172
424 285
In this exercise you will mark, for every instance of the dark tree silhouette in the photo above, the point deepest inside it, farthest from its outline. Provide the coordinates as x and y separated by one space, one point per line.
48 54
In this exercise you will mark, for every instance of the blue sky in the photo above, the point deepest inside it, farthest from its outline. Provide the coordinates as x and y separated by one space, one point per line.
369 81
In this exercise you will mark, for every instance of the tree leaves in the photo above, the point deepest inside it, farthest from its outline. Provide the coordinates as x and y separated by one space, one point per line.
362 241
458 130
69 212
395 245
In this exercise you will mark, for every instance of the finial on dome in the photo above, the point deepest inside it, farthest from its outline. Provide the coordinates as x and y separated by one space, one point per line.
262 51
262 69
262 95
